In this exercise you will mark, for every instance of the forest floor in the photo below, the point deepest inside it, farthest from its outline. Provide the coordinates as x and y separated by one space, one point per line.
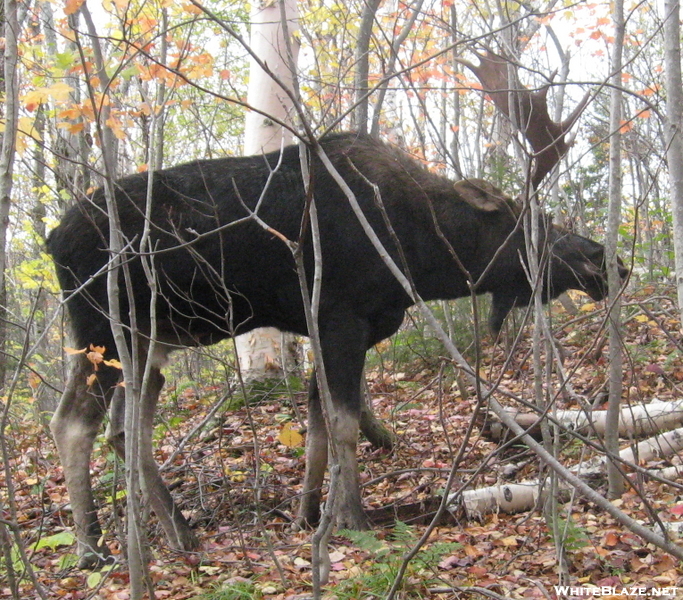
238 479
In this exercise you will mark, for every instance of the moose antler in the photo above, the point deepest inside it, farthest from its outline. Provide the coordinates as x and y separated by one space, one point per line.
546 137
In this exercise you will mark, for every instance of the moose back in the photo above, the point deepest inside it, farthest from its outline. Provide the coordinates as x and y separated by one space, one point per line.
220 273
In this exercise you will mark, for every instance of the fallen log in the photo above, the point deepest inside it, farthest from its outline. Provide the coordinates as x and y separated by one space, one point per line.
519 497
634 421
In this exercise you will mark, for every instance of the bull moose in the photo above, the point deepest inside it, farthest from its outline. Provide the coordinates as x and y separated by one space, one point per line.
221 273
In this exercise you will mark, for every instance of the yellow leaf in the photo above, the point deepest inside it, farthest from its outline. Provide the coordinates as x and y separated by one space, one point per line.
34 98
509 541
26 127
588 307
74 351
60 91
642 318
236 476
91 379
113 363
290 437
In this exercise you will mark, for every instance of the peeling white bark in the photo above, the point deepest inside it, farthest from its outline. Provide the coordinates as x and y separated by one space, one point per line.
260 351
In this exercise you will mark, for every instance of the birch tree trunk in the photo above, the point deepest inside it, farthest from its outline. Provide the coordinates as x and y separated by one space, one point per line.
11 108
674 120
360 113
616 481
266 353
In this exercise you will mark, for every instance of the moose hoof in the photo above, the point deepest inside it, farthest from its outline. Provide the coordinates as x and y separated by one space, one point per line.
91 561
189 542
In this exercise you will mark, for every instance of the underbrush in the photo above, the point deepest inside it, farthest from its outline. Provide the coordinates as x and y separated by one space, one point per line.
238 478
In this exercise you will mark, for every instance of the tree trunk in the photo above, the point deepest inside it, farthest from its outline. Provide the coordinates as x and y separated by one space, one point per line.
616 481
261 353
11 109
360 113
674 121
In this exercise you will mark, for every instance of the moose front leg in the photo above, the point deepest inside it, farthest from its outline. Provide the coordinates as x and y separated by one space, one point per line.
344 355
74 426
345 432
344 422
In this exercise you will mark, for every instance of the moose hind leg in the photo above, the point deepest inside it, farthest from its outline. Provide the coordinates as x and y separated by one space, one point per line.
176 527
74 427
316 459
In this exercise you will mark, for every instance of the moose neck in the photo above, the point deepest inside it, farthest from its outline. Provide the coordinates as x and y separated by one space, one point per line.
454 259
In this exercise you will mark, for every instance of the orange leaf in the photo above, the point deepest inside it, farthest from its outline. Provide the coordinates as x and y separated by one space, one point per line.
95 357
192 9
73 128
72 6
34 381
611 539
626 126
91 379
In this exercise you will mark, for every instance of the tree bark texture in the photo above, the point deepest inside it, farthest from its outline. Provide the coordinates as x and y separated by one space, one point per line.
261 352
616 481
674 121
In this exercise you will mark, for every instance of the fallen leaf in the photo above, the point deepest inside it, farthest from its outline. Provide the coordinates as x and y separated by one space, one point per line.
290 437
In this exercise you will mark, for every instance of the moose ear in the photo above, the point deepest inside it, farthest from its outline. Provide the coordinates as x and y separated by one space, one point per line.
482 195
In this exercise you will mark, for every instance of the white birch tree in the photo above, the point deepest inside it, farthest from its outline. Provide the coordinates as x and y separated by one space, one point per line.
11 112
674 121
263 352
616 481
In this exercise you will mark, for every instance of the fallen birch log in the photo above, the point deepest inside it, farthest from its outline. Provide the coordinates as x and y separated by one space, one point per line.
673 472
510 498
634 421
659 446
518 497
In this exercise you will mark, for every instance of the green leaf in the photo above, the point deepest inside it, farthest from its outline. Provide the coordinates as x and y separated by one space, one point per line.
67 561
63 538
94 579
64 60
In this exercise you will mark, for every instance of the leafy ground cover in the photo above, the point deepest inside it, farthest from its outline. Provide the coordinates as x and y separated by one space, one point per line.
238 480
